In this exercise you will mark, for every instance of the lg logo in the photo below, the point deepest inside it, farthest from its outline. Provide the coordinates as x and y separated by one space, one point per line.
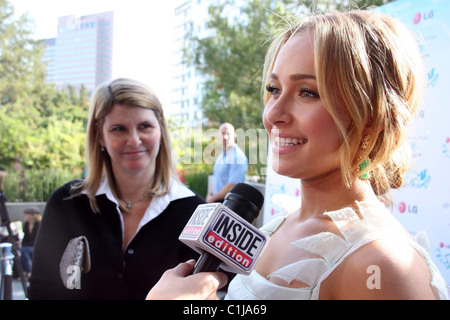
407 208
419 16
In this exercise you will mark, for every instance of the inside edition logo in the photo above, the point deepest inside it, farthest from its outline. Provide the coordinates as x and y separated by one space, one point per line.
233 239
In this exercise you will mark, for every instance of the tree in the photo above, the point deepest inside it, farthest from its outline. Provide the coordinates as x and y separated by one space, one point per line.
21 67
21 73
40 127
231 59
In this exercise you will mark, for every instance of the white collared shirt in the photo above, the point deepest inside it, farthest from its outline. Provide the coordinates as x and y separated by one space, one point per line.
156 206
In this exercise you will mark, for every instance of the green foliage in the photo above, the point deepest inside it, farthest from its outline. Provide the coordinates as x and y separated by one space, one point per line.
36 185
231 58
40 127
198 182
189 144
21 69
45 135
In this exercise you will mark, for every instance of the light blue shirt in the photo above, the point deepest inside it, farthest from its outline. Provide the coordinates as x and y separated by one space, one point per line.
230 167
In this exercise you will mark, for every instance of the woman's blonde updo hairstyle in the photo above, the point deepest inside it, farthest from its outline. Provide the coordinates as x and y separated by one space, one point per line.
370 63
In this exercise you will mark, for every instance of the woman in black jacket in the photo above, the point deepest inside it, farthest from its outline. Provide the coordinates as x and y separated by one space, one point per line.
131 206
30 230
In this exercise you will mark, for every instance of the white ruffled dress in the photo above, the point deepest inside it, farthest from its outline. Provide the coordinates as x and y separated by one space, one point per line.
326 251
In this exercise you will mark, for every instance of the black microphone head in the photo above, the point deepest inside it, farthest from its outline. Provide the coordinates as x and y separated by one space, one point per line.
245 200
250 193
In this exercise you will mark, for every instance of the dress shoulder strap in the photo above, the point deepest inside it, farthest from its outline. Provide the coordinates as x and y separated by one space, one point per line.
269 228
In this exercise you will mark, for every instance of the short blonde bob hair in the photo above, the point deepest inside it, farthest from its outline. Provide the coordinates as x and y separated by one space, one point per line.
132 93
372 64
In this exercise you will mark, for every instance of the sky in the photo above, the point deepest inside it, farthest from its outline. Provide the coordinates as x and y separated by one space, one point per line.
143 34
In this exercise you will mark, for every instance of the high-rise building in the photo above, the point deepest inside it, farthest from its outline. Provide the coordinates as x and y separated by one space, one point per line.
81 54
192 16
50 59
187 82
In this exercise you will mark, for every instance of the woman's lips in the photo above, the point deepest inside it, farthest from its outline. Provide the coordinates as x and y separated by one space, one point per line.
134 153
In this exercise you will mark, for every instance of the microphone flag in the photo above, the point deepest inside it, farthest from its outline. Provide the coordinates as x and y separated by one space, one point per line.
218 230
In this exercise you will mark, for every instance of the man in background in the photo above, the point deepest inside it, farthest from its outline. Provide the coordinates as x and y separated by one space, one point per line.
230 166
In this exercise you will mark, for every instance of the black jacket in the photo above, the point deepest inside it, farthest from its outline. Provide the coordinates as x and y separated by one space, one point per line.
30 237
114 274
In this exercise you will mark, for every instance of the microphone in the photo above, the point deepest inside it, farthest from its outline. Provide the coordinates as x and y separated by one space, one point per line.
223 233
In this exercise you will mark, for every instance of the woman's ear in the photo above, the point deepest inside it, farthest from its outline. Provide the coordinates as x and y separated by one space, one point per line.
369 129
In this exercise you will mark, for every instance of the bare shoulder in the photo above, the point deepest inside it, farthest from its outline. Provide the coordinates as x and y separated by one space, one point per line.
382 269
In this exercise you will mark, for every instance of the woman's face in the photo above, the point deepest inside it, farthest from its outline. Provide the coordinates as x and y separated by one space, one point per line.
304 137
131 136
30 217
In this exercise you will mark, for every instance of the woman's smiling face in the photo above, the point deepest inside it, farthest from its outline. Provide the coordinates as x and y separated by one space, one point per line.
131 136
304 137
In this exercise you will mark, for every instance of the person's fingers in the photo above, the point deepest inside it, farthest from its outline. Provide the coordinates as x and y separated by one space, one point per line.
183 269
221 278
179 283
209 282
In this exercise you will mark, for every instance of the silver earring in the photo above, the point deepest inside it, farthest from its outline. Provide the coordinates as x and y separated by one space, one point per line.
103 149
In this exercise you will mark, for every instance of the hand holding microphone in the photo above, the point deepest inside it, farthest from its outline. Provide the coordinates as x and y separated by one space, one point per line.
225 237
179 284
224 234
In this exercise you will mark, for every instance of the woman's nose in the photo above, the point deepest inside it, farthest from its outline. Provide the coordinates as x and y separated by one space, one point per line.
134 138
277 112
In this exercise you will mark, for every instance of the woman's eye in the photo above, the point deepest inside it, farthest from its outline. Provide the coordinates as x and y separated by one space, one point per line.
307 93
117 129
272 90
145 126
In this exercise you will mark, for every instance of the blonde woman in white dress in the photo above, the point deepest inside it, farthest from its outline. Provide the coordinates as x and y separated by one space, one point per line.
341 89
